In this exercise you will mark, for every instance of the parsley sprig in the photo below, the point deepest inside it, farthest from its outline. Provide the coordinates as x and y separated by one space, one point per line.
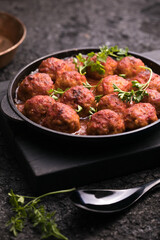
82 62
134 96
34 213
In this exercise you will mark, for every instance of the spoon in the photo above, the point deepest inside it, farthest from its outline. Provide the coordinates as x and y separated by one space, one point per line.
109 200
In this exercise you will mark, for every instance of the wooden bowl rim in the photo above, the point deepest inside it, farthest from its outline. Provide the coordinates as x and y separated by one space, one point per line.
21 39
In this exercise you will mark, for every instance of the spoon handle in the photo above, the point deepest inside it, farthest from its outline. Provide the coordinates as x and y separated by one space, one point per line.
151 184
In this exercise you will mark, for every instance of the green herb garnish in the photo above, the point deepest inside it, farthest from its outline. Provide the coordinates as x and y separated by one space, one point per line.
82 62
37 215
79 109
55 93
122 75
87 85
98 97
134 96
92 110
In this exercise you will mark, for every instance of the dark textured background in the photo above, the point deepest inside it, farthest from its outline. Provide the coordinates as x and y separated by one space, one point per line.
54 25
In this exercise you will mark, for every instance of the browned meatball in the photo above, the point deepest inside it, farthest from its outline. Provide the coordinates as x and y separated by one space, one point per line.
113 102
81 96
144 76
153 98
20 107
129 66
34 84
155 82
106 85
61 117
109 66
36 107
140 115
52 65
67 79
141 77
70 63
105 122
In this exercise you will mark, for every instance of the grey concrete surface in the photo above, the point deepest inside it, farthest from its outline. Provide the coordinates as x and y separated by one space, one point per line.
54 25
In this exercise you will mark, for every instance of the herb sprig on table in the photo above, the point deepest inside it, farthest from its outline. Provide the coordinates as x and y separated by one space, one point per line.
134 95
37 215
82 62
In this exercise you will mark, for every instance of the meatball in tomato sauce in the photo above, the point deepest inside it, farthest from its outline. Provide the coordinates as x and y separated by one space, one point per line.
129 66
67 79
34 84
141 77
140 115
106 85
52 65
63 118
79 96
105 122
36 107
70 63
109 67
153 97
112 102
155 82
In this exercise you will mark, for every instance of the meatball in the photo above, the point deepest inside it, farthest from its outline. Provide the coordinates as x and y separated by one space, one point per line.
34 84
112 102
141 77
129 66
105 122
67 79
36 107
155 82
153 97
20 107
61 117
70 63
52 65
81 96
109 66
106 85
140 115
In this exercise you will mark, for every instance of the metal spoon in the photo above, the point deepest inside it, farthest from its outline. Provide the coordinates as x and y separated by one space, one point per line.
109 200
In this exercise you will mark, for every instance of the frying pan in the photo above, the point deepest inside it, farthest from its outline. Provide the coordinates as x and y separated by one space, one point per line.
9 108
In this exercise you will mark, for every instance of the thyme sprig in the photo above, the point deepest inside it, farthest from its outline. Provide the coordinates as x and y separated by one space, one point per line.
134 95
82 62
30 211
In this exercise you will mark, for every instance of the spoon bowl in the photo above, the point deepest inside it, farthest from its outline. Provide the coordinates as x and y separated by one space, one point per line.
109 200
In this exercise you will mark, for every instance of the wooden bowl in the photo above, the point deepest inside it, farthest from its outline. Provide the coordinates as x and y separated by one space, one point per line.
12 34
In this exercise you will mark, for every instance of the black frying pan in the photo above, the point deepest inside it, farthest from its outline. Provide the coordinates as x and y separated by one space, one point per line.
12 112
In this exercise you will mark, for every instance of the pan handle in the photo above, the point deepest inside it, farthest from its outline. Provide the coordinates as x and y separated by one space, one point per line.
7 110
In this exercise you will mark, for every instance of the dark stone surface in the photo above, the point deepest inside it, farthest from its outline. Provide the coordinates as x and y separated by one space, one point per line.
61 24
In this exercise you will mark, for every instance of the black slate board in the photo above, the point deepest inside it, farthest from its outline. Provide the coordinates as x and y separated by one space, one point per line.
50 164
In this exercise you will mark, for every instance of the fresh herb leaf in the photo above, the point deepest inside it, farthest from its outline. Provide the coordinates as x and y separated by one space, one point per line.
98 97
92 110
79 109
134 95
55 93
87 85
82 62
122 75
30 211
